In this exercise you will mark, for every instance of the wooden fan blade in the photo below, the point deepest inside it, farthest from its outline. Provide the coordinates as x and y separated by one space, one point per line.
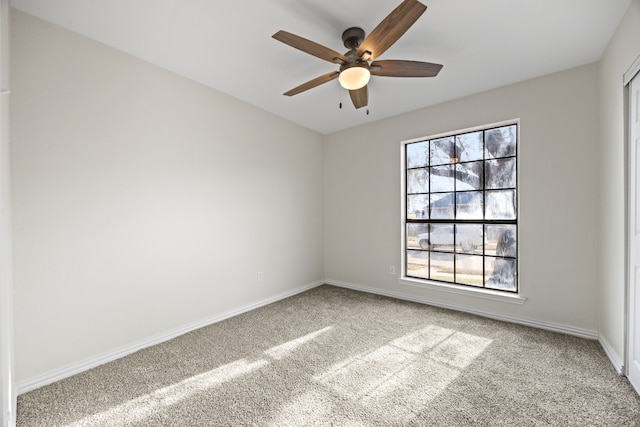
313 83
310 47
360 97
391 29
393 68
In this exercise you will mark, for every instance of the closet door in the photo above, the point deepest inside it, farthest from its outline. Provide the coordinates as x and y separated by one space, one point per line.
633 341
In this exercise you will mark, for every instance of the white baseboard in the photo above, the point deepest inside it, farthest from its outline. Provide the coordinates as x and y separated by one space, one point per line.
614 357
550 326
100 359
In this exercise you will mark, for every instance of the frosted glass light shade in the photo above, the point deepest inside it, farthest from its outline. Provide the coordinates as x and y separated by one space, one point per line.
353 78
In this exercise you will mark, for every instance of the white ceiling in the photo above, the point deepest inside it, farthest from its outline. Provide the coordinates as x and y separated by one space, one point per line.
227 45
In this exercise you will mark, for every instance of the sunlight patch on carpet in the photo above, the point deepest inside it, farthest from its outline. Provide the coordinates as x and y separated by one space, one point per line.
407 373
309 408
280 351
138 409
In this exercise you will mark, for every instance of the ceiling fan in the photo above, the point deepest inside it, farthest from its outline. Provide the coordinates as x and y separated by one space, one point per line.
358 64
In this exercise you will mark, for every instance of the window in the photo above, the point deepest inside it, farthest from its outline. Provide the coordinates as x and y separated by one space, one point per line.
461 209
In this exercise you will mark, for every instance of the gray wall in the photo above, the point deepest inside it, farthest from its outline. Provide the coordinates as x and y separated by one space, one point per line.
558 178
144 201
623 49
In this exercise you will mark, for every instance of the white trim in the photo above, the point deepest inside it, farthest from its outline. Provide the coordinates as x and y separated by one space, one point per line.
76 368
631 313
465 290
613 356
100 359
631 72
7 376
540 324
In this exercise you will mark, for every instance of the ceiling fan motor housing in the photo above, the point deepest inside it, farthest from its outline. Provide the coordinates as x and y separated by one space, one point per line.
352 37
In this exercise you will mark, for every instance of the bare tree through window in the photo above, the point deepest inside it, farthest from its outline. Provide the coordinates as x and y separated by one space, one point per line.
461 208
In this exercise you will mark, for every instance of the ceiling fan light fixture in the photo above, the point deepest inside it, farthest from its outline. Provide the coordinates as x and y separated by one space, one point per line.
357 65
354 77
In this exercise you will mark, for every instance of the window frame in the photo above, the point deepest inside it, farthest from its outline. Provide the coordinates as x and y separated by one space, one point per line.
453 287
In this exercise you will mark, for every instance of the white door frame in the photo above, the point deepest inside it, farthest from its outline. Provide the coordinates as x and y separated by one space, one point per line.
8 390
630 316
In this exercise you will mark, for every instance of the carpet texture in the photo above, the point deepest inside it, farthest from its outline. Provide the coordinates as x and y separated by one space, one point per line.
332 356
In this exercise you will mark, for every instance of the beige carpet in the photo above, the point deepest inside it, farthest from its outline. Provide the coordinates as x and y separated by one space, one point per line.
337 357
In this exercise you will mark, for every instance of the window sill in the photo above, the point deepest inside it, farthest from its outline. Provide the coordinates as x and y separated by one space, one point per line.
464 290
